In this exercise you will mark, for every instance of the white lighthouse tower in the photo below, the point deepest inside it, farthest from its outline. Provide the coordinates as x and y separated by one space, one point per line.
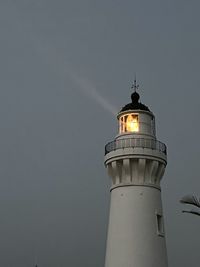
136 162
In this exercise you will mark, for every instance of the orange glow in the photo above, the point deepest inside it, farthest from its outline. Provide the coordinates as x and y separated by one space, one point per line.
132 124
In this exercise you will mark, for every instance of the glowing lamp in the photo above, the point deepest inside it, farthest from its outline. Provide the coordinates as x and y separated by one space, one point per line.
129 123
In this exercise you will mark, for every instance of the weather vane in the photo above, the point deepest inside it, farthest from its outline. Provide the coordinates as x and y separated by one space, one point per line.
135 86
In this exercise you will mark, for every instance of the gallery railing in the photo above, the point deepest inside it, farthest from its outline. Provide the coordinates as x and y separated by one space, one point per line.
135 142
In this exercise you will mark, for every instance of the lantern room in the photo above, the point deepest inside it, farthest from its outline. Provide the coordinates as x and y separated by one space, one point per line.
136 119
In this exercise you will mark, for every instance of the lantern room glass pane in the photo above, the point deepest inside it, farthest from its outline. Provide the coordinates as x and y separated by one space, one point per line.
129 123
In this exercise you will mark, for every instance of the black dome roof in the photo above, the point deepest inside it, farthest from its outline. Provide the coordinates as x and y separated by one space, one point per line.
135 104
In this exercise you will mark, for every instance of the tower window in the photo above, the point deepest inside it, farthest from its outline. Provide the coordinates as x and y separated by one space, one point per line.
160 224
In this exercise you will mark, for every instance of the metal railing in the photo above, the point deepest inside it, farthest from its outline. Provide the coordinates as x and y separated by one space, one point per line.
135 142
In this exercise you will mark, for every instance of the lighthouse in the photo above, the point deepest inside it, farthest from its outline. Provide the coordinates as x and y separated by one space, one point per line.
136 161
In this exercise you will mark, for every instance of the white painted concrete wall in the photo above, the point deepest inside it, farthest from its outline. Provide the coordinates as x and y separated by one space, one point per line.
133 238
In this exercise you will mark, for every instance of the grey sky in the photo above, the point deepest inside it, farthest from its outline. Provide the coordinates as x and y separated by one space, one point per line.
65 67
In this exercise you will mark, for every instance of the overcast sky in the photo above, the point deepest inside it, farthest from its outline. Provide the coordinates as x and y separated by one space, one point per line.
66 68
